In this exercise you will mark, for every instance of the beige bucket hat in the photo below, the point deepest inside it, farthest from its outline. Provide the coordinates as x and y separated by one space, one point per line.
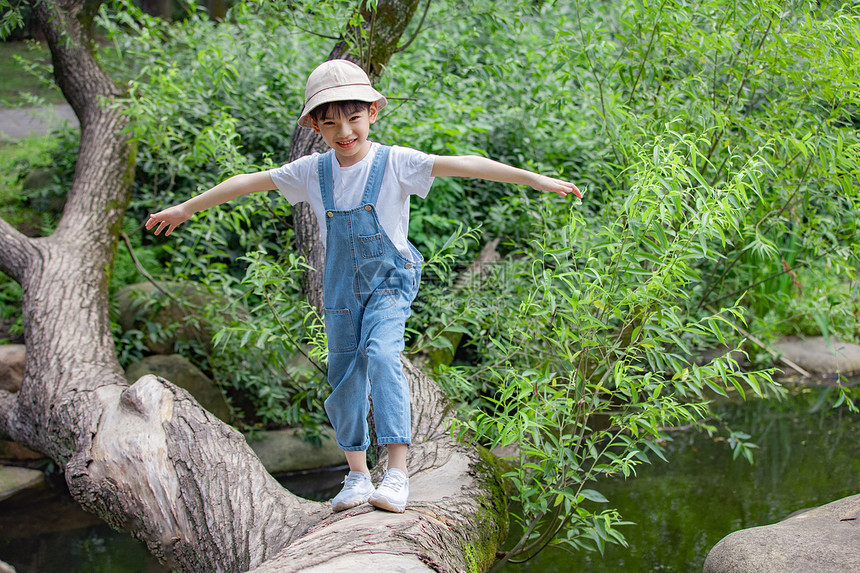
337 80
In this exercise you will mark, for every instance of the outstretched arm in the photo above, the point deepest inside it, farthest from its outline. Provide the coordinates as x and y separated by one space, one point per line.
227 190
483 168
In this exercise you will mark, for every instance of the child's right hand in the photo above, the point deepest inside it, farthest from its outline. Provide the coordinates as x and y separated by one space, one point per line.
170 218
553 185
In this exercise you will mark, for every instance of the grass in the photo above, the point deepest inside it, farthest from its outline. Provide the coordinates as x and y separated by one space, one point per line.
25 75
17 159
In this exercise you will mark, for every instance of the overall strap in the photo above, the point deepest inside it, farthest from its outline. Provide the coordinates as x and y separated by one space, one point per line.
374 180
326 180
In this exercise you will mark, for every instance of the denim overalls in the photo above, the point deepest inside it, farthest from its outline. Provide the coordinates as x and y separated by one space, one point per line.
368 287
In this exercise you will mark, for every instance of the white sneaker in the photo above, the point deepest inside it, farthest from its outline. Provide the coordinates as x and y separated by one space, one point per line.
392 493
357 487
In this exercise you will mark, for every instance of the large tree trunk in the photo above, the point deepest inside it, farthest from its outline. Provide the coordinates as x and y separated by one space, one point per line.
160 8
146 457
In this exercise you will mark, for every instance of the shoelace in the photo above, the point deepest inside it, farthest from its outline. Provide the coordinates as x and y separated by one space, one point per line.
352 481
394 481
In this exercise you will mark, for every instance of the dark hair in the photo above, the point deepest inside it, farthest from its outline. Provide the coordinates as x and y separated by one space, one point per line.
343 108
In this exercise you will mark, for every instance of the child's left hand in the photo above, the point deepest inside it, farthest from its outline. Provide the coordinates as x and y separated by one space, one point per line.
553 185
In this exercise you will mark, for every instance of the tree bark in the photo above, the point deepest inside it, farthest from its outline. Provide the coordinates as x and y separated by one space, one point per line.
146 457
160 8
217 9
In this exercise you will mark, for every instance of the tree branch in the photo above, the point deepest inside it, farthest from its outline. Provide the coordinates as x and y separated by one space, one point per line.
403 47
16 251
776 355
166 470
142 270
66 30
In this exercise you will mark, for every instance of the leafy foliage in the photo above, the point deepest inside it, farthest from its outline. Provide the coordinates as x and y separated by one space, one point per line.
595 355
288 338
209 101
722 160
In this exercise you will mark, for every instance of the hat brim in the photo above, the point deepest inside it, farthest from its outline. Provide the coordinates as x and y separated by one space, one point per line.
356 92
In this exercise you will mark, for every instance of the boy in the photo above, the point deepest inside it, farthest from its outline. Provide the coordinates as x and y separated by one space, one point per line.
360 193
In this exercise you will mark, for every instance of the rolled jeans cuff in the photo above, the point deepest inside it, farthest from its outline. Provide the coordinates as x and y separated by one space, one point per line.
360 448
386 441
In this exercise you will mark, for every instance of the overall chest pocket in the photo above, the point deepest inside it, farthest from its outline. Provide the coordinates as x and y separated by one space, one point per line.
370 246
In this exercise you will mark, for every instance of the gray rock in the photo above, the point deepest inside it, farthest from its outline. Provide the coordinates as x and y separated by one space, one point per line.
6 568
821 356
821 540
184 374
284 451
11 366
177 314
10 450
14 479
38 178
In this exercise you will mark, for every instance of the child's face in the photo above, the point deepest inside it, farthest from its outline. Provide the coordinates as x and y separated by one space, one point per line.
347 135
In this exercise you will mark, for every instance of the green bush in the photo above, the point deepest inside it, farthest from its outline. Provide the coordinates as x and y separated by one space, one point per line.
720 151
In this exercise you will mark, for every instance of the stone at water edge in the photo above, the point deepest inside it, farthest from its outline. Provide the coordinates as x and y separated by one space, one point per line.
14 479
13 451
821 540
820 356
11 366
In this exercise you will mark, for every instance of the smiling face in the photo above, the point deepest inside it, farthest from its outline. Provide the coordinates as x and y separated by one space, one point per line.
346 133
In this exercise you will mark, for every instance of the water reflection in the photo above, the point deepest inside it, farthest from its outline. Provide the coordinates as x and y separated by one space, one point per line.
807 456
45 531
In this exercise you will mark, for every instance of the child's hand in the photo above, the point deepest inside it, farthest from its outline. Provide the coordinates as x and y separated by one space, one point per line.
553 185
170 218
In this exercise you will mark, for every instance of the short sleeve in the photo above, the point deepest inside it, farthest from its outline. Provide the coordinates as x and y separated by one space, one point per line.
294 179
413 170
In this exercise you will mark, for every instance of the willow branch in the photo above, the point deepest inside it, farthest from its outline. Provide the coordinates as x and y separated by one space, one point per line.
417 30
142 270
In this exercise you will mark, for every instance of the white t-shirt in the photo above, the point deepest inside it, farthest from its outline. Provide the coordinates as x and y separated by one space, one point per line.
407 174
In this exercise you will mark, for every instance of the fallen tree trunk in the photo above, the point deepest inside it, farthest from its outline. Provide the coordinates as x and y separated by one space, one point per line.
455 520
146 457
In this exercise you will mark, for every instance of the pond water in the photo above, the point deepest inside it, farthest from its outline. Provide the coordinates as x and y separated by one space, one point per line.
807 456
48 532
